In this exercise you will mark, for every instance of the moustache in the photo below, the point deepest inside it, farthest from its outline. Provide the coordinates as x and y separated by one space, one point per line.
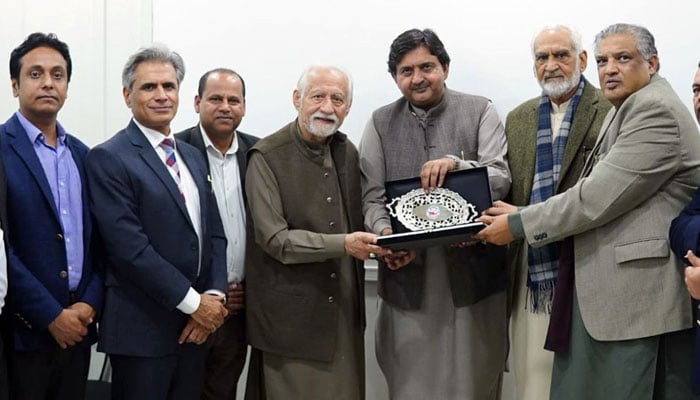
322 115
548 75
420 86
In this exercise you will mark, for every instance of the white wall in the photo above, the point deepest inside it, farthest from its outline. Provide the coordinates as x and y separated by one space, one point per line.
101 34
270 42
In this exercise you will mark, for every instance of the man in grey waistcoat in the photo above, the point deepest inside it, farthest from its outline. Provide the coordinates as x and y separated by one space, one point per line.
442 326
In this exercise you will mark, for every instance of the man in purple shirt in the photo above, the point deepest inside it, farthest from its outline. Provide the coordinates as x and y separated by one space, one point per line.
54 292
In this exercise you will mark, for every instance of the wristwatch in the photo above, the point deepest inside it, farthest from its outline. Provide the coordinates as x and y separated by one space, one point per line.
457 161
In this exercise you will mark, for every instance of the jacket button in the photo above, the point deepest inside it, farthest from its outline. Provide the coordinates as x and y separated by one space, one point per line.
333 275
325 174
59 237
63 274
330 299
329 199
331 224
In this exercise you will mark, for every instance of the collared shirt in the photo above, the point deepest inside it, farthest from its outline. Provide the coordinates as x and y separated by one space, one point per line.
188 187
557 114
62 174
226 179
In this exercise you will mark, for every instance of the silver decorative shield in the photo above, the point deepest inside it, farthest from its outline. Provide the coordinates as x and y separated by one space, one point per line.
418 210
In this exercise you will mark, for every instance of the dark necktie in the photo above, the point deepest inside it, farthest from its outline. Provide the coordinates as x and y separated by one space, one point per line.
168 145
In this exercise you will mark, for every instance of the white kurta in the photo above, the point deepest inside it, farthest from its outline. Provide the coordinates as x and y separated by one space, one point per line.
439 351
532 364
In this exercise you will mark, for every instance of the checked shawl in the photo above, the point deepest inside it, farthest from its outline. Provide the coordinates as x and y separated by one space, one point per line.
543 262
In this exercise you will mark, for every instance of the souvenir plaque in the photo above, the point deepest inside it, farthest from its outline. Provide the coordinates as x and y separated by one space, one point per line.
444 216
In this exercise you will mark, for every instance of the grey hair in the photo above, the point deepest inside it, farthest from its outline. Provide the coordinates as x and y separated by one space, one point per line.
645 40
574 37
302 84
156 52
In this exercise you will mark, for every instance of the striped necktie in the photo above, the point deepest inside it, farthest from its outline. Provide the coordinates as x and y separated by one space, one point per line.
168 145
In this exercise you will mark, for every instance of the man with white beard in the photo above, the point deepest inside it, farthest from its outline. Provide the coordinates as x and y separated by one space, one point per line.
305 297
549 138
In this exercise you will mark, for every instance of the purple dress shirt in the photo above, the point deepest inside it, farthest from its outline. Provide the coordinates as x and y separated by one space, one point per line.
63 177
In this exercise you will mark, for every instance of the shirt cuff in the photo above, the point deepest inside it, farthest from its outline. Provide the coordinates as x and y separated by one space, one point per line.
515 225
190 303
462 164
335 245
216 293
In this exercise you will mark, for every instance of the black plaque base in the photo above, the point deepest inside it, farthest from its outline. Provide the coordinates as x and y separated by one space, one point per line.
433 237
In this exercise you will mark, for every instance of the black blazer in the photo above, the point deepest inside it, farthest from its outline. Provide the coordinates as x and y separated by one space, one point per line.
152 247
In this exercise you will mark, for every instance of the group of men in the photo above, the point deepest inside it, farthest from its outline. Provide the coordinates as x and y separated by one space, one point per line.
187 247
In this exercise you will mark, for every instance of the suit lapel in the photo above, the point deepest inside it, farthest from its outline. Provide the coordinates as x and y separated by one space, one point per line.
151 158
524 148
593 158
581 124
197 141
20 144
241 156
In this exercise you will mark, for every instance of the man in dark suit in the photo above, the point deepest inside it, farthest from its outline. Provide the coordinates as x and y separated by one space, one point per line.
5 335
684 236
165 272
4 382
5 331
220 103
54 290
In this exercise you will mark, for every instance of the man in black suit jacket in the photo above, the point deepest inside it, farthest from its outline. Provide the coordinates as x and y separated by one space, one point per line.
165 274
220 103
684 235
5 333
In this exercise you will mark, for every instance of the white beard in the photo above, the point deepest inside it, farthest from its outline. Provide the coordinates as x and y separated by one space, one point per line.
322 130
559 88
